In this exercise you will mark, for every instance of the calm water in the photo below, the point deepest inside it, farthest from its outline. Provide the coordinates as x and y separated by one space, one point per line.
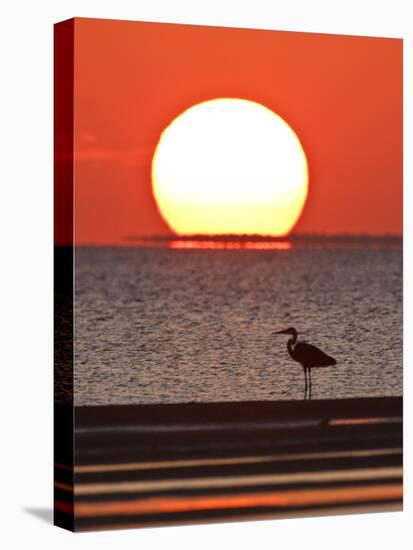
165 326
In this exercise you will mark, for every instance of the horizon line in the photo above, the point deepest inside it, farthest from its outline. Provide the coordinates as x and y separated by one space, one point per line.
264 238
245 241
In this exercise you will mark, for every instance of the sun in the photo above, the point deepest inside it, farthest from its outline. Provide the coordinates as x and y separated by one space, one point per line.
230 166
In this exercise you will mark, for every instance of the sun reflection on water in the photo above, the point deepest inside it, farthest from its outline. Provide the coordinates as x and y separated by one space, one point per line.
230 245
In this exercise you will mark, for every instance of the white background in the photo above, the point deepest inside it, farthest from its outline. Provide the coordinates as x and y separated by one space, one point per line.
26 271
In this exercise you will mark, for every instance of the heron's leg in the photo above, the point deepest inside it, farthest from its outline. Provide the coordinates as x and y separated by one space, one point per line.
311 384
306 385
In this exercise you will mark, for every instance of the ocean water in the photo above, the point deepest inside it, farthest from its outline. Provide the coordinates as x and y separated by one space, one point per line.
160 325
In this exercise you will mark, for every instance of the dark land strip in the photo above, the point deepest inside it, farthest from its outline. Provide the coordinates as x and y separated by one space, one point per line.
162 464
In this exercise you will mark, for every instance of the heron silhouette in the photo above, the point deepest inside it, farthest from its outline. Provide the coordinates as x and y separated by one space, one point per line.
309 357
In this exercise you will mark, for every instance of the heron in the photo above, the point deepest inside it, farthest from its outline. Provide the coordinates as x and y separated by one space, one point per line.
309 357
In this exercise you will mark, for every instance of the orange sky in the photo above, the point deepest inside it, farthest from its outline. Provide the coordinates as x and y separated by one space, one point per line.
341 94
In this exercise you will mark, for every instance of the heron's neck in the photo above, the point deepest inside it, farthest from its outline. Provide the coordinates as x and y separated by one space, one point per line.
290 345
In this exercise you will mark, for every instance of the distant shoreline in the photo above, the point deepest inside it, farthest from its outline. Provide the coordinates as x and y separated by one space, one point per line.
252 242
264 238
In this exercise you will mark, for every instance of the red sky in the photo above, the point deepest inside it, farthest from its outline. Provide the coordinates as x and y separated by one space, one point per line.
341 94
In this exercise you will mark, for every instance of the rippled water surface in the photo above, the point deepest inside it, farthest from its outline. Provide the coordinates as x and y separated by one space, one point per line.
165 326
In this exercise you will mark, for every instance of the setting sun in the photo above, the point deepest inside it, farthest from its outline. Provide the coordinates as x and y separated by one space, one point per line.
229 166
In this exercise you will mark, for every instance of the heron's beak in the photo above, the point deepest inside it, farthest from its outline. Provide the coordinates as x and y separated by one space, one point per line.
281 332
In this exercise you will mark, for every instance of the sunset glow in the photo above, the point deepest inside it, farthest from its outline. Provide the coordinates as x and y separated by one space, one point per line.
230 166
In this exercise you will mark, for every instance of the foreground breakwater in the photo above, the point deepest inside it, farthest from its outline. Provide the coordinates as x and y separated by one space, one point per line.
138 465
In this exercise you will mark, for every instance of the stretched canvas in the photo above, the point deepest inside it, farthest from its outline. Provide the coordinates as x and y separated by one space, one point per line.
228 274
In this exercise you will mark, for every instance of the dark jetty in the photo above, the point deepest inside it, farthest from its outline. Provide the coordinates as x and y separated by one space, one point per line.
138 465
